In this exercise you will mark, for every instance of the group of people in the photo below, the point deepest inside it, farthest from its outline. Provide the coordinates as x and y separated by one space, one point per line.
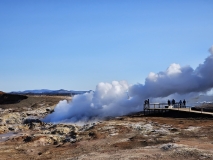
172 102
179 103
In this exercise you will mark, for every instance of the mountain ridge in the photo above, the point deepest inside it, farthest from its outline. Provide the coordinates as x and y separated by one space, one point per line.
49 92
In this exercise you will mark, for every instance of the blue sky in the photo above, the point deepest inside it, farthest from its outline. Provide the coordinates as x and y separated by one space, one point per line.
75 45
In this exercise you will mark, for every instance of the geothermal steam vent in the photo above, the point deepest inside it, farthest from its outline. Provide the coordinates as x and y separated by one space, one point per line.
112 99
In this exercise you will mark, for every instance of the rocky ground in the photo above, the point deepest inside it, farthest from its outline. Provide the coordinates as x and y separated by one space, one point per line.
25 136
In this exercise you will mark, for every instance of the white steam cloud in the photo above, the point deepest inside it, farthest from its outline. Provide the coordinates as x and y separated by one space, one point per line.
107 100
177 79
119 98
211 49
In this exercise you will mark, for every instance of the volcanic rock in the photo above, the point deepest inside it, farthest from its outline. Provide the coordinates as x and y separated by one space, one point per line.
10 98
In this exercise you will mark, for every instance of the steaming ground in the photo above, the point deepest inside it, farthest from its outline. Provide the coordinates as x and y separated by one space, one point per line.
107 100
120 98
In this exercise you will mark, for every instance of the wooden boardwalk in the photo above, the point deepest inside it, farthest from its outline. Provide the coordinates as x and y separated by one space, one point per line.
163 107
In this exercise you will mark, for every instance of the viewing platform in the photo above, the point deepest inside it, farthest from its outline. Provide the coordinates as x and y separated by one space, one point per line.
153 108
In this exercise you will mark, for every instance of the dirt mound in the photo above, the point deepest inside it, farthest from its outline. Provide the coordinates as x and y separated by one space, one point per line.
1 93
10 98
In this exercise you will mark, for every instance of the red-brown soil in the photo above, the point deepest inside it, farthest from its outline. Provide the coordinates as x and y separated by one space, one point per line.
1 92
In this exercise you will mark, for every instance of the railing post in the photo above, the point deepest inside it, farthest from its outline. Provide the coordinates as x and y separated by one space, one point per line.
144 109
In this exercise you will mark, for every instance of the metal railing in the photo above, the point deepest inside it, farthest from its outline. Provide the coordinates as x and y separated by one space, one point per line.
162 105
175 106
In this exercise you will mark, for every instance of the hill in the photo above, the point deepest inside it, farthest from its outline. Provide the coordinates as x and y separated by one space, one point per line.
1 92
6 98
60 92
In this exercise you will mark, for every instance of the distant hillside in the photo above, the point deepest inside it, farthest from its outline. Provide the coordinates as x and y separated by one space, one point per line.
6 98
49 92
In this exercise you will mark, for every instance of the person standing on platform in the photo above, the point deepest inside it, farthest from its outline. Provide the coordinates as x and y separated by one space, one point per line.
169 103
173 103
180 103
145 103
184 103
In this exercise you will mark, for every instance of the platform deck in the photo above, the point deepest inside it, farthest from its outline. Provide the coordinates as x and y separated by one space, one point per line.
161 107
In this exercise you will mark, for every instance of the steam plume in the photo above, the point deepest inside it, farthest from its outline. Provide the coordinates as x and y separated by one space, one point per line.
211 49
107 100
112 99
177 79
